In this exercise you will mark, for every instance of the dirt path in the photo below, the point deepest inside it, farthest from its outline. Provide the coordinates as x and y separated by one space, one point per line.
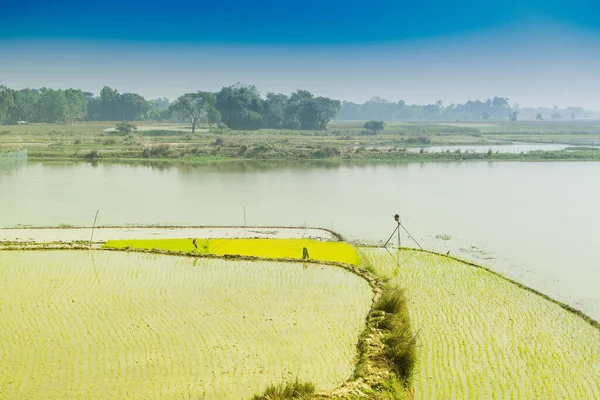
46 235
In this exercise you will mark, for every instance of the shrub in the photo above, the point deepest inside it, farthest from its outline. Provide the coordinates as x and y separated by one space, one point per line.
392 301
125 128
291 390
400 343
160 150
374 126
92 155
326 152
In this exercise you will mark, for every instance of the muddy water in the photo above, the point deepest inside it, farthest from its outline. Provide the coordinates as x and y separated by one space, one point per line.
535 222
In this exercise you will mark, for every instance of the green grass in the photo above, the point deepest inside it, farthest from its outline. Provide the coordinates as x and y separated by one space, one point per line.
76 142
290 390
399 340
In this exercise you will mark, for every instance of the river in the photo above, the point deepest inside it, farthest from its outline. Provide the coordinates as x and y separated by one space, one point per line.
535 222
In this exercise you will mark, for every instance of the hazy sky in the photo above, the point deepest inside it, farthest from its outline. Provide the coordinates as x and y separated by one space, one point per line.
534 52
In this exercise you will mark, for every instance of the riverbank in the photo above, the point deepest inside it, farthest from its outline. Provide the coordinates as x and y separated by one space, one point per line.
330 154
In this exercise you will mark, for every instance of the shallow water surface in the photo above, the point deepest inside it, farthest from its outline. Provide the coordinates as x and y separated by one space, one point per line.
535 222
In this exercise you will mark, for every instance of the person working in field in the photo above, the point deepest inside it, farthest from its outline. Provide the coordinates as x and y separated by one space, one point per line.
195 243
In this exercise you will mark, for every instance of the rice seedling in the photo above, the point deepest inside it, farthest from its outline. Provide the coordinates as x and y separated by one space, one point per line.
81 324
264 248
480 336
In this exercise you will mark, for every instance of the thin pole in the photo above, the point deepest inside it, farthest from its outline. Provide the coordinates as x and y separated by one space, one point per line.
391 236
399 244
244 217
93 226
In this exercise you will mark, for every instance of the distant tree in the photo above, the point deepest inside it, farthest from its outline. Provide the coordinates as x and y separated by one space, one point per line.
512 116
24 106
193 107
374 126
539 116
125 128
108 105
132 106
52 106
76 105
213 116
485 115
556 116
241 106
304 111
274 116
6 102
439 104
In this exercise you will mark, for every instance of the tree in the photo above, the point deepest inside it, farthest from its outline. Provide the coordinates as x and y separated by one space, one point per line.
109 103
556 115
539 116
374 126
213 116
304 111
6 102
485 115
52 106
274 116
132 106
240 106
512 116
125 128
76 105
193 107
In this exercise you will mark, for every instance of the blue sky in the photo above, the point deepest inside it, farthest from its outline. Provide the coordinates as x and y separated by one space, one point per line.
535 52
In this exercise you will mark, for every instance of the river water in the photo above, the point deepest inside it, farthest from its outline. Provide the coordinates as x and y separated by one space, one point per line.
538 223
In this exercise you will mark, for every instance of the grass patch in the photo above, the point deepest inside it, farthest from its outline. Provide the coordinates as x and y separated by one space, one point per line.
400 342
264 248
290 390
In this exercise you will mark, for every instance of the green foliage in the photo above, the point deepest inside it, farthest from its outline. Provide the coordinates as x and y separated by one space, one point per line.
304 111
392 301
157 151
539 116
125 128
240 106
6 102
400 343
284 391
374 126
213 116
193 107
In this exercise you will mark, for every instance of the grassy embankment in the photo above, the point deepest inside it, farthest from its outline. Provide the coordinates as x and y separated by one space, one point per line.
342 141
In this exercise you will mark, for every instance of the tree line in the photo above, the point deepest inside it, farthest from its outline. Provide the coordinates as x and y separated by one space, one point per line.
243 107
237 106
496 108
